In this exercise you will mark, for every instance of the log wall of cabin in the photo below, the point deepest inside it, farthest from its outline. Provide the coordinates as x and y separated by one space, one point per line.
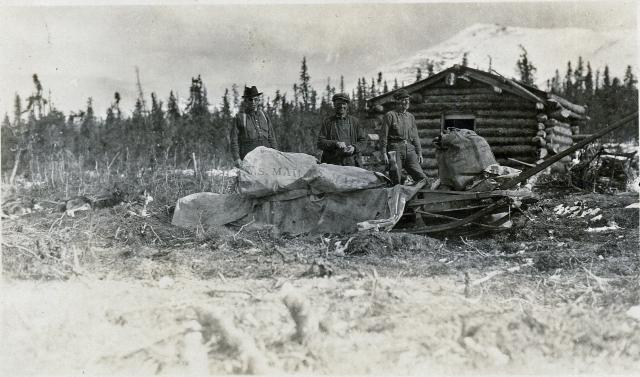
508 122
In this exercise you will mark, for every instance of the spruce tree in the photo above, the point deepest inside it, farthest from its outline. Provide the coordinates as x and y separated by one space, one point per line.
629 79
525 68
588 81
305 86
17 111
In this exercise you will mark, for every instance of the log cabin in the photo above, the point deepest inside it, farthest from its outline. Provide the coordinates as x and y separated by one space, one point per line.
521 123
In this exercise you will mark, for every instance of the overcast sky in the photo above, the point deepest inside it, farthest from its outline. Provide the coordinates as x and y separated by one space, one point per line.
91 51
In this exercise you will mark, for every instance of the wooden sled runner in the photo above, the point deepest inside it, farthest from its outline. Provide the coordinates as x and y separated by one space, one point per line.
466 213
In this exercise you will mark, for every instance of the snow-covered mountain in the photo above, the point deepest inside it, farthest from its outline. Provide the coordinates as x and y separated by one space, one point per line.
548 50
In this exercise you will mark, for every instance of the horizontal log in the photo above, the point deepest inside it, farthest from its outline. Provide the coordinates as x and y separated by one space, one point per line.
564 131
454 91
513 149
496 114
501 140
426 114
555 122
492 97
426 143
506 114
582 110
506 122
542 117
473 106
486 131
541 134
425 133
542 153
559 139
428 123
566 114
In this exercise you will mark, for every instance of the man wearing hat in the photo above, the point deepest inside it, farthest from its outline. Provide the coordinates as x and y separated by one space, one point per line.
251 127
400 134
340 138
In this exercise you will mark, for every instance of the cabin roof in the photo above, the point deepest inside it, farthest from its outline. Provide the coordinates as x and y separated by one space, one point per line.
524 91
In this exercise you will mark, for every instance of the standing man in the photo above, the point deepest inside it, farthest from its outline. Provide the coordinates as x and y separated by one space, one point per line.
340 138
400 134
251 127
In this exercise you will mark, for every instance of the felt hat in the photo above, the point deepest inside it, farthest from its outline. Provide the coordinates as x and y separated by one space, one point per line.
250 92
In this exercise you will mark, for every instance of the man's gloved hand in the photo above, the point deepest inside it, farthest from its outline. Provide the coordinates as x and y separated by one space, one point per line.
341 145
238 163
349 150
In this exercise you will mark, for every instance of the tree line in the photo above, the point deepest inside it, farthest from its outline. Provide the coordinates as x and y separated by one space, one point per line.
163 133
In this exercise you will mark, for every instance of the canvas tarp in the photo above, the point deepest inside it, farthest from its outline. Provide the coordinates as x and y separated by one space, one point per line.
323 199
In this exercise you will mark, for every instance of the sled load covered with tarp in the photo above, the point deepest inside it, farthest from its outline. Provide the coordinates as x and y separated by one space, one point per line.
297 195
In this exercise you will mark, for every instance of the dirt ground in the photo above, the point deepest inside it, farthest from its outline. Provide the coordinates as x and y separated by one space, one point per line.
108 293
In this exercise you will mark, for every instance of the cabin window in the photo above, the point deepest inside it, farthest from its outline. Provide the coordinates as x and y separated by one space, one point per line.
461 121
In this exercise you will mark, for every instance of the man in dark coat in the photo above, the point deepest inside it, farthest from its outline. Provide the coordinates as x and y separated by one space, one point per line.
400 135
251 127
340 138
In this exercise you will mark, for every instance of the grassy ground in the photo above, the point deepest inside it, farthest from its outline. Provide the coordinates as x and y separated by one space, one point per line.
112 293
